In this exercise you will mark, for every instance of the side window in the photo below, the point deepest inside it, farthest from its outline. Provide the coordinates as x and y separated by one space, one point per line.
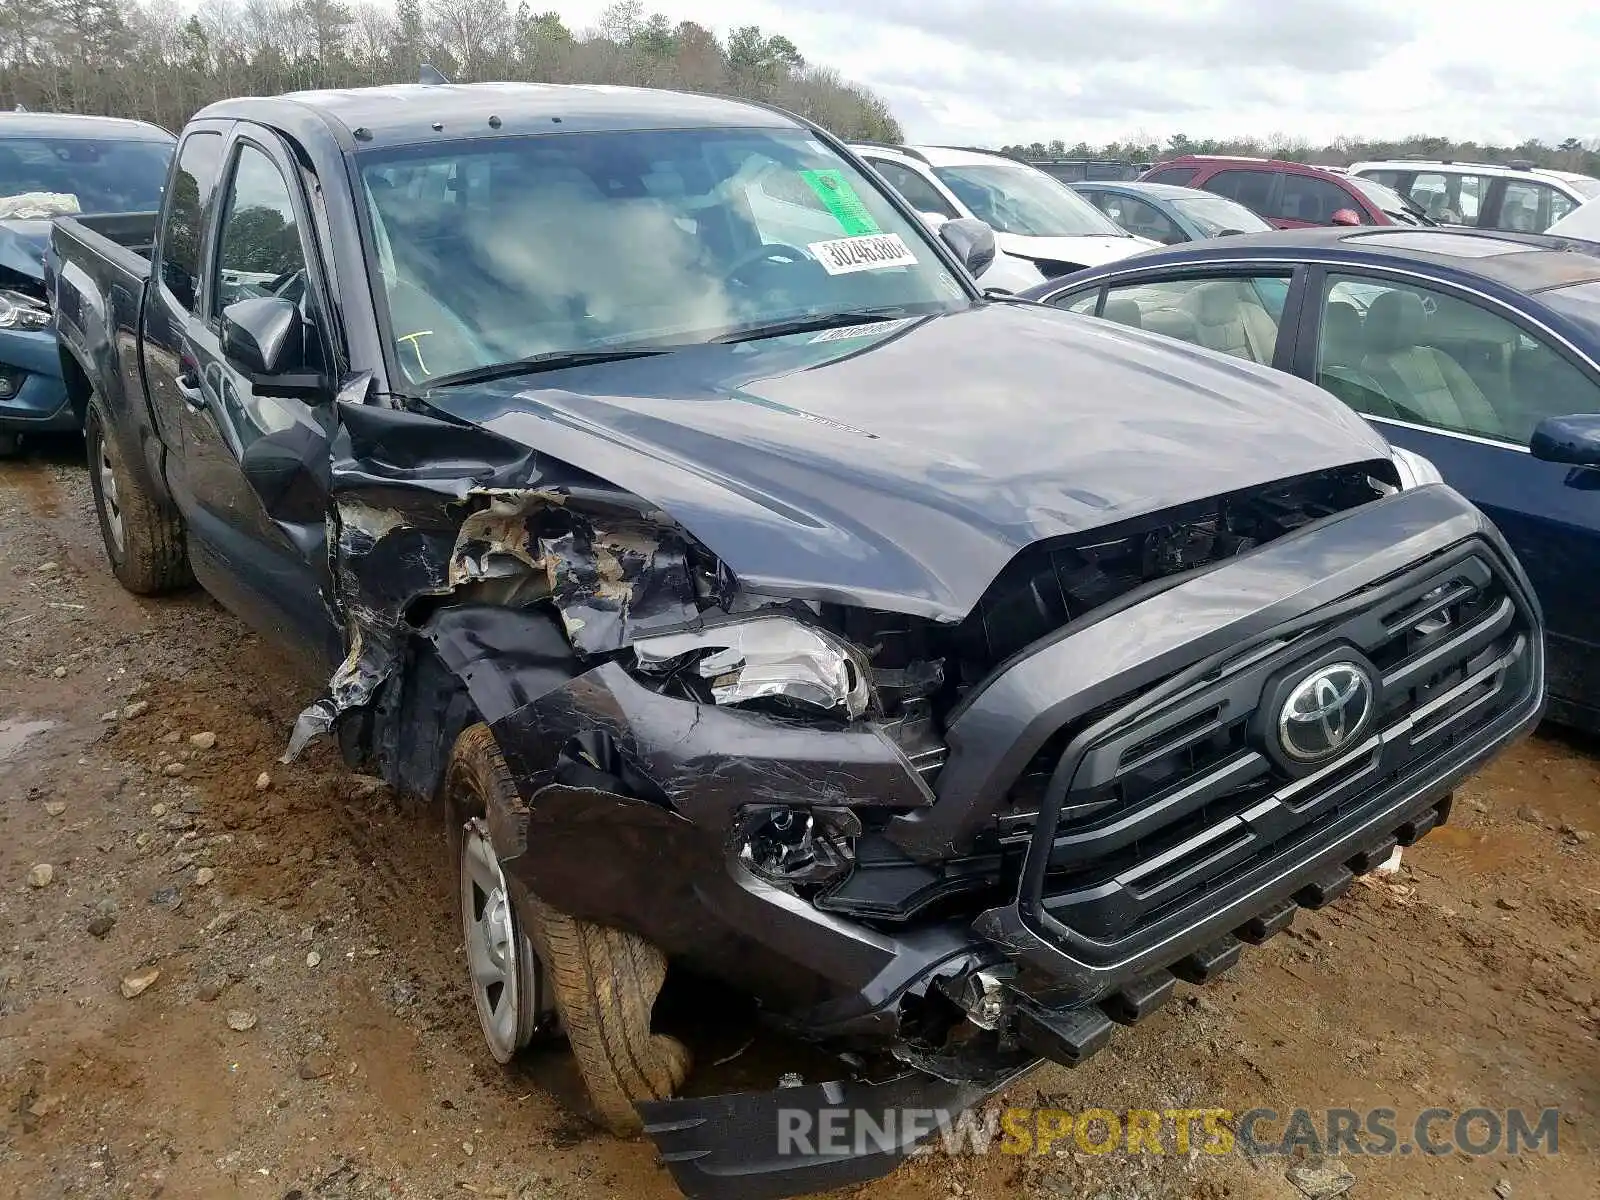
193 180
1253 189
1079 302
1307 198
1142 218
260 252
1450 198
1222 314
1425 356
1528 207
1175 175
1389 179
918 192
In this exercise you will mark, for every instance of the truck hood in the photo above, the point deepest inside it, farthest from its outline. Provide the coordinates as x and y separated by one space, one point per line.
1087 251
902 465
22 247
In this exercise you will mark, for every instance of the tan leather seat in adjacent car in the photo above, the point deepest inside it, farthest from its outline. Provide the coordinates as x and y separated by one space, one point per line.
1230 319
1424 380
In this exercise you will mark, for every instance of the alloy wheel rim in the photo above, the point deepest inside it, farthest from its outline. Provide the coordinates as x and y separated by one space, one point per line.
501 966
110 499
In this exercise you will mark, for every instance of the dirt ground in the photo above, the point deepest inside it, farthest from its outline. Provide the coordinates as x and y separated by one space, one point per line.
309 1033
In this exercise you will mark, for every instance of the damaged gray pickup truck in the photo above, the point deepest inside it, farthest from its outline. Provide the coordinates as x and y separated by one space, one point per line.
950 674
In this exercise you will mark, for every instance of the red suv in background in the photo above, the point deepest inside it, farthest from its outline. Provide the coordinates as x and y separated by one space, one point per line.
1290 195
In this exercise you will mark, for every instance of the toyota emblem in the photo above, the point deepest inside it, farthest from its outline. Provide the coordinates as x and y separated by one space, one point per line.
1325 711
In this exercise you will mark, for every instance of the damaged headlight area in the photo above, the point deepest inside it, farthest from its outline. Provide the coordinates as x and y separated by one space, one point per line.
18 311
776 662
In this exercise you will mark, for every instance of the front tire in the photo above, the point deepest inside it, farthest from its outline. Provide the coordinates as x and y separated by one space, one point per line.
143 536
603 982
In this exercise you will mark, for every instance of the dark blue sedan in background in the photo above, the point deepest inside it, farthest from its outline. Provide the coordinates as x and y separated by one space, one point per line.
92 164
1479 351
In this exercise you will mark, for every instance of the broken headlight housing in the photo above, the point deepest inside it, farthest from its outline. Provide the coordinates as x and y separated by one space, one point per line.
771 658
22 312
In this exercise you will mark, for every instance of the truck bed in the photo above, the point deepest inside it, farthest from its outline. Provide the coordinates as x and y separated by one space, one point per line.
113 247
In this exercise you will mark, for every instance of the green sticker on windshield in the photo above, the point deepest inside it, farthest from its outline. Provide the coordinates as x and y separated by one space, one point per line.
836 194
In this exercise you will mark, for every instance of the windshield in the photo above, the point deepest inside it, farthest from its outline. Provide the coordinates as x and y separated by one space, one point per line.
1218 214
1583 185
1391 202
100 176
1014 198
497 251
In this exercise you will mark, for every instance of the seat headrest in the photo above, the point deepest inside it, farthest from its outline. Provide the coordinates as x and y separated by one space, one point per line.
1394 322
1217 304
1124 311
1341 334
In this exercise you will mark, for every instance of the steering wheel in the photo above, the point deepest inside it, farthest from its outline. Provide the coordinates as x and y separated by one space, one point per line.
773 253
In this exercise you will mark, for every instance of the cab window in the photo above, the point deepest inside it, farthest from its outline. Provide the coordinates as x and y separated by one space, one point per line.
193 180
259 253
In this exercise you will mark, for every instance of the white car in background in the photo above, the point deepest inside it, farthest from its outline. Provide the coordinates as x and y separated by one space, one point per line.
1582 222
1042 227
1516 196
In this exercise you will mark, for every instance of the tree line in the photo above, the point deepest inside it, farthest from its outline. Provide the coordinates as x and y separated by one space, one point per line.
1573 154
151 60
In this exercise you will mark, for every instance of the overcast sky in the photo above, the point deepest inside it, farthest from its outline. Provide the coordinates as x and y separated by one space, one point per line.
1024 70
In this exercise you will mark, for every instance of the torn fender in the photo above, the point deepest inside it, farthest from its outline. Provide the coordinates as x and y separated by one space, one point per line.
708 762
426 509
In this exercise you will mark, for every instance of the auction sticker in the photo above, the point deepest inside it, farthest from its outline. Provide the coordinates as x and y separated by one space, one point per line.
872 252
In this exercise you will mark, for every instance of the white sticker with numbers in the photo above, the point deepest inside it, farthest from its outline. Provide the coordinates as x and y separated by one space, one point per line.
868 252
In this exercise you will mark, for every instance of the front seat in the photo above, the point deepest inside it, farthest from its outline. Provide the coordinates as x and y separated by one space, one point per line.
1124 311
1424 380
1339 357
1226 320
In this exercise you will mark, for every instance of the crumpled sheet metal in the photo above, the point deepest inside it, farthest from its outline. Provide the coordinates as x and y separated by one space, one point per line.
708 762
403 529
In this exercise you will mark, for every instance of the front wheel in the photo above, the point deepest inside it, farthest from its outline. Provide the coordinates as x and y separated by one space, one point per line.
601 982
143 536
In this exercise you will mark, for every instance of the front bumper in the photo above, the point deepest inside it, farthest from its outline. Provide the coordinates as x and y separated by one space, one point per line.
797 1140
37 399
1103 907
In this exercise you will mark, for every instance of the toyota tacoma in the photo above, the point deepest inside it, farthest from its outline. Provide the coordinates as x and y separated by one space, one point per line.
655 493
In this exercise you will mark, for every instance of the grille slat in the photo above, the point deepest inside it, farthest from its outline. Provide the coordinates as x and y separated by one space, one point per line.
1183 798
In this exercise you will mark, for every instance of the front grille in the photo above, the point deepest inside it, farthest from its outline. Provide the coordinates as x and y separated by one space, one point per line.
1186 794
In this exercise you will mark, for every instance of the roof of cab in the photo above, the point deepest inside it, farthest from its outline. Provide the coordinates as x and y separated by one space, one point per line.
77 125
403 114
1524 262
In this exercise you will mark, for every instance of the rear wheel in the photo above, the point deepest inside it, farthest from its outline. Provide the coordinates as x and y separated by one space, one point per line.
601 982
143 536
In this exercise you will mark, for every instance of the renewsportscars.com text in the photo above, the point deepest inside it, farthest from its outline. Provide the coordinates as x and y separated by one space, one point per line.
1430 1132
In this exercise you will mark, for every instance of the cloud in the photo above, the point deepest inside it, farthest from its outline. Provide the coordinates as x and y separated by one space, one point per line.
988 72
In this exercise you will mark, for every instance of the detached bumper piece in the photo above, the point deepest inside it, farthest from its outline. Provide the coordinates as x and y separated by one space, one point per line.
797 1140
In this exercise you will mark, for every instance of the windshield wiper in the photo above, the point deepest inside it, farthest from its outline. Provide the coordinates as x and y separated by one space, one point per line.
552 360
833 320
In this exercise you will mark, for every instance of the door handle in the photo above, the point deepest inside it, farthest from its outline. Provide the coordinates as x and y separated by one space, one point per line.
188 386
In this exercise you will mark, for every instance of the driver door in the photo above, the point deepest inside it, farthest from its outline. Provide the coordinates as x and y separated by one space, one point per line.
257 463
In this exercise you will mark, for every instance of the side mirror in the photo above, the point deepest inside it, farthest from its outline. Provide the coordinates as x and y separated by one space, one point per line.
1571 440
972 240
264 337
1346 216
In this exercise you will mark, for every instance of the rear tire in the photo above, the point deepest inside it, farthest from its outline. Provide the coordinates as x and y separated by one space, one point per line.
603 981
143 536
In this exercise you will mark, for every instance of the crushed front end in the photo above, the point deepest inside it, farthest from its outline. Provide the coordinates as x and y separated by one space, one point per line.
950 852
